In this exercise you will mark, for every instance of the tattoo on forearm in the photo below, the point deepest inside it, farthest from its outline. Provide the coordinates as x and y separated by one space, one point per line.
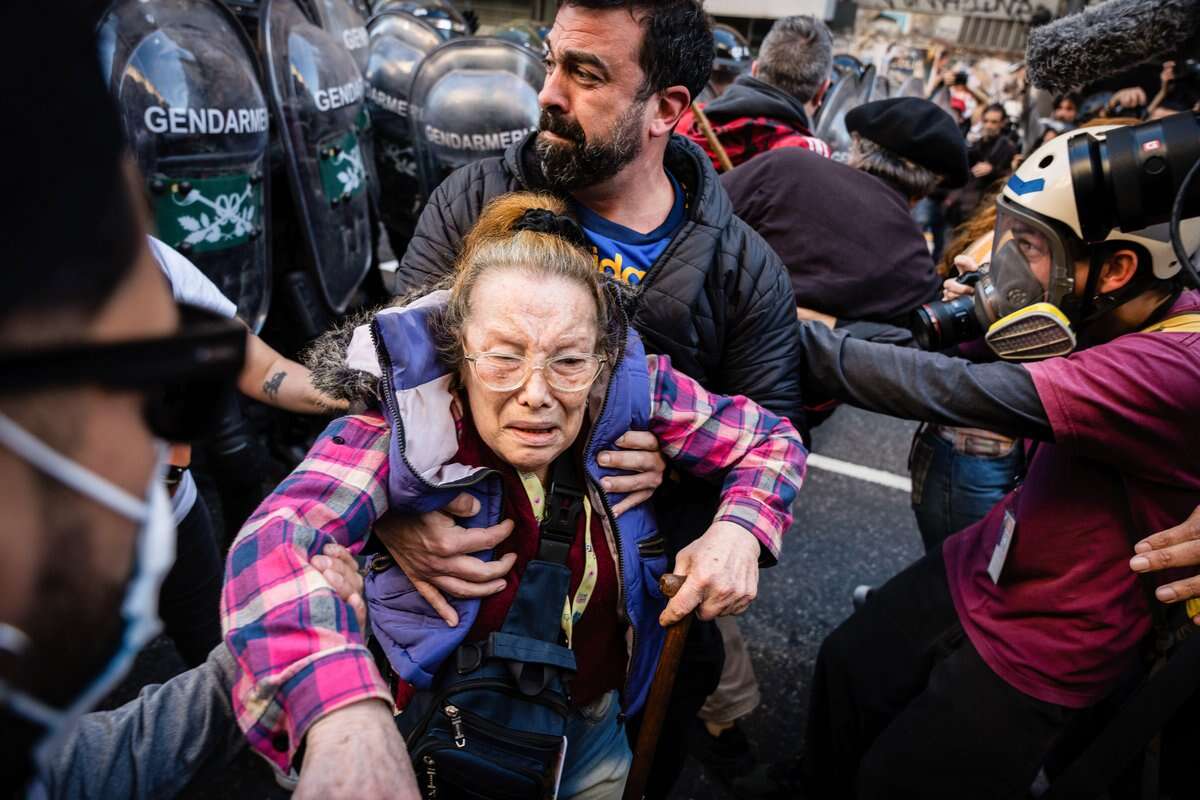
271 387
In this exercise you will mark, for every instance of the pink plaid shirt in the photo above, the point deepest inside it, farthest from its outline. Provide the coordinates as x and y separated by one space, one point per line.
299 646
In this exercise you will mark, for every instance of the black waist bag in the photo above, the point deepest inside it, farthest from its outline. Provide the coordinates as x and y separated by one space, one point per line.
493 726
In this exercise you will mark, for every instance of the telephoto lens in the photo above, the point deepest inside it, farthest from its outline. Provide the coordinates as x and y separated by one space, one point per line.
939 325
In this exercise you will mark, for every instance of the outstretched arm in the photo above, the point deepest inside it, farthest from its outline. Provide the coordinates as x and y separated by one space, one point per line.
930 387
760 459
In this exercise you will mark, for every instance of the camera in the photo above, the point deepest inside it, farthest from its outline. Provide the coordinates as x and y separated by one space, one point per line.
1129 179
939 325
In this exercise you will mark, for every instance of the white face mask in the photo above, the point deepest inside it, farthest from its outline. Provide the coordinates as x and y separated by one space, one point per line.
139 609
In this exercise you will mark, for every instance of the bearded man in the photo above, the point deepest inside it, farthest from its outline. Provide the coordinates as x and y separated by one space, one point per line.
700 285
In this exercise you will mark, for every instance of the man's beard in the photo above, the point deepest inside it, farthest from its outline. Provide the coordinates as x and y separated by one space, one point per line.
76 624
578 162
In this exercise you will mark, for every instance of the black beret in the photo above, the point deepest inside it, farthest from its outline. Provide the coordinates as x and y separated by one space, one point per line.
915 129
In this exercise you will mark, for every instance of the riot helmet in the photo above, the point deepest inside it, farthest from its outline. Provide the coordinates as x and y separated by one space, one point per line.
399 42
471 99
186 80
316 93
441 15
731 50
525 33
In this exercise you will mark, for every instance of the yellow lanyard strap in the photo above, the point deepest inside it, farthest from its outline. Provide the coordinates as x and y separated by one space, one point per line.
573 608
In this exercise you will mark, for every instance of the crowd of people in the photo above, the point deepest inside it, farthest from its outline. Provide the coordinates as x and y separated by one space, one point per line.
461 590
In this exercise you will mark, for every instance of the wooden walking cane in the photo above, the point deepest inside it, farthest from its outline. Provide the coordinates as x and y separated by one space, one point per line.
713 142
655 710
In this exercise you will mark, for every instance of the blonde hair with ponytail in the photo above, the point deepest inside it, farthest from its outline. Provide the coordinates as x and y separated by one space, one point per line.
493 244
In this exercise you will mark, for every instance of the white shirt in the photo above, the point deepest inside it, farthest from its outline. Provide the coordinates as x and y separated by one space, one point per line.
188 285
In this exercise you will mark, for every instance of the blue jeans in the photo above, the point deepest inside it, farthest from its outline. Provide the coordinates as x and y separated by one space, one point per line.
598 754
927 213
953 490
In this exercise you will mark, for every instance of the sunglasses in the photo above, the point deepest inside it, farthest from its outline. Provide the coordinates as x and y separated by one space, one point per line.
184 376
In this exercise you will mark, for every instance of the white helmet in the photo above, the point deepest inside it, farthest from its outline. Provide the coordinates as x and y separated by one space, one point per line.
1043 184
1026 297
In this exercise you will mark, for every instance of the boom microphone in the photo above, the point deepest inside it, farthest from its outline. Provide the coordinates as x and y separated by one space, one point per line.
1108 39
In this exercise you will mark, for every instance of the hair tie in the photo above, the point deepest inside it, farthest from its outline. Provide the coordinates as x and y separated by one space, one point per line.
543 220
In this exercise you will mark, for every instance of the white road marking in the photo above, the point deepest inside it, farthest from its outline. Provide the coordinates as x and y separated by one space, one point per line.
888 479
389 266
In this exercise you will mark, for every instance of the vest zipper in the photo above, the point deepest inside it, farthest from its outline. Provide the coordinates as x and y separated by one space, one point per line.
456 722
431 777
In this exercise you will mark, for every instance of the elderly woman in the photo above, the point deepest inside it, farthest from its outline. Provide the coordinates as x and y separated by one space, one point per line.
506 385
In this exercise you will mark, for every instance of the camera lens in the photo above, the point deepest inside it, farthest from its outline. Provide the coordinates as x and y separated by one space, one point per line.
937 326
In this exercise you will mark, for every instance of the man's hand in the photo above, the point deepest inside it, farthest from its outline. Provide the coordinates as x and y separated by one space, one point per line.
809 315
1174 547
433 549
1168 72
722 574
952 288
340 570
1133 97
982 169
356 752
641 457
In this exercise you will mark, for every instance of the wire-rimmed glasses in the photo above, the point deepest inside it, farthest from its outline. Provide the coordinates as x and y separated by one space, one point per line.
504 372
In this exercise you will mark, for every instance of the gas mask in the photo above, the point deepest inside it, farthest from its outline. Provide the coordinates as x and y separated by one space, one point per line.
1019 299
154 554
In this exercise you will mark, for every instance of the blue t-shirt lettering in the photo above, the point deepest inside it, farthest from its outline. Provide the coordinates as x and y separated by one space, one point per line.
622 253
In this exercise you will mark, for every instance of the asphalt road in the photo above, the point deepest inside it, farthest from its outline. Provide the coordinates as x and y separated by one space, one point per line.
847 531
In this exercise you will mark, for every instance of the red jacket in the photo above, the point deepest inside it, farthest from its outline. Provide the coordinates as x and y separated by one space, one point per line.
753 117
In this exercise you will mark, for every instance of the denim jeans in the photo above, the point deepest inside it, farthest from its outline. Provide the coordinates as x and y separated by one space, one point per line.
598 754
927 213
953 490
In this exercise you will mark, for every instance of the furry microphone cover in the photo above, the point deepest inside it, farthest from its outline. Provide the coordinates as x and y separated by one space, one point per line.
1106 39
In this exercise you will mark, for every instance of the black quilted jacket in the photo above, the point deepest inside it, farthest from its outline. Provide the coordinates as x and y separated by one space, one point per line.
718 300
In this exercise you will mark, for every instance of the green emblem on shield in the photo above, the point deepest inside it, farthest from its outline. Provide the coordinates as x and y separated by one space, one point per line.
342 172
200 215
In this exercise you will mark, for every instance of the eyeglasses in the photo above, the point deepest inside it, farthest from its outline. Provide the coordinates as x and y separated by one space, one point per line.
504 372
184 376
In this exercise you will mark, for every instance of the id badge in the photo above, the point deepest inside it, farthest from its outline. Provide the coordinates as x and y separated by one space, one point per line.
1000 554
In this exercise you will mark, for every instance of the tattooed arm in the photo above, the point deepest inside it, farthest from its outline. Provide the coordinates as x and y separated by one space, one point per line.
277 381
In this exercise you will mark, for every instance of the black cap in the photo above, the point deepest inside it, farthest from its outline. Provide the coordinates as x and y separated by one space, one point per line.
915 129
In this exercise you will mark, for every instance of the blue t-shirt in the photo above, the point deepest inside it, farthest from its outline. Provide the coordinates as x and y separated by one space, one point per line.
623 253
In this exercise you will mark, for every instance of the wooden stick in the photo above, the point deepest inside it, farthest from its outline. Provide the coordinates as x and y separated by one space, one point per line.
713 142
655 711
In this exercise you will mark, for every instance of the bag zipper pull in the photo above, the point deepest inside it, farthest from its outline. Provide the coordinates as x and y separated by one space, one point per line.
456 722
431 791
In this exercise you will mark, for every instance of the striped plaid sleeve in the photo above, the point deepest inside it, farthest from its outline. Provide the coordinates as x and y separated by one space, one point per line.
760 456
298 645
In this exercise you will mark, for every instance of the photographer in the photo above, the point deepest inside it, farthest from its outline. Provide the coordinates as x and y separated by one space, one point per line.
987 648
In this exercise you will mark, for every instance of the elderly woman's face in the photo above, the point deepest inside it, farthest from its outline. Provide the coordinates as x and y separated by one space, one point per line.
539 318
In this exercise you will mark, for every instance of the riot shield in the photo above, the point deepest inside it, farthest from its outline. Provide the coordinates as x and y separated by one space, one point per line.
342 19
316 94
913 87
187 83
831 127
399 42
881 88
471 99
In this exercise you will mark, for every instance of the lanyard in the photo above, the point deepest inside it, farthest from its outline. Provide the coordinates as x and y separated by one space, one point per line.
573 608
